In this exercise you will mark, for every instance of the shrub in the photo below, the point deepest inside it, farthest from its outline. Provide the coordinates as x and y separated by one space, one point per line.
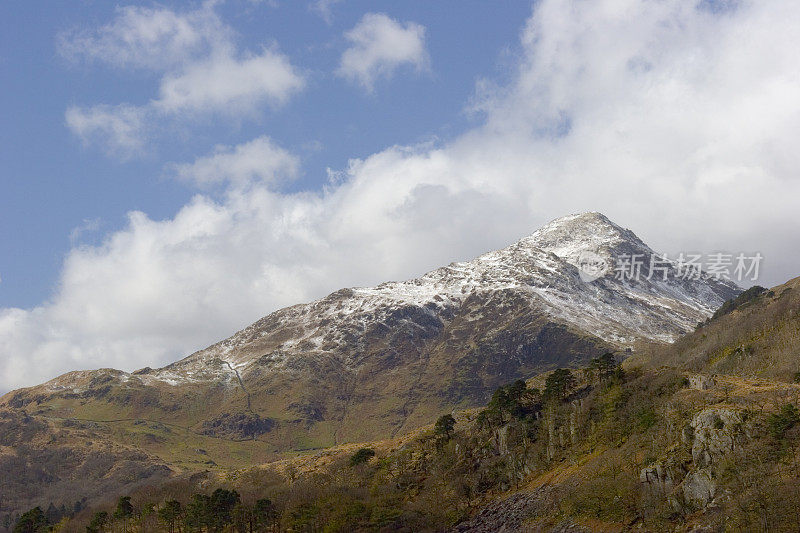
362 456
32 521
646 418
444 426
779 423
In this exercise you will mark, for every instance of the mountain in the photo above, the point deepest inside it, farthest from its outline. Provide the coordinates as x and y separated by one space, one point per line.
699 435
367 363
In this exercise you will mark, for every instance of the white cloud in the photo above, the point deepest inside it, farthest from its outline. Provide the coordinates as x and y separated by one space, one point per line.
324 8
230 86
203 73
88 226
151 38
379 45
259 160
677 122
118 129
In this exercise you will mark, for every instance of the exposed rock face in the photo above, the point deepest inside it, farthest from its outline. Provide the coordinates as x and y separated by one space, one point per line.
238 426
658 478
701 382
515 514
716 432
699 487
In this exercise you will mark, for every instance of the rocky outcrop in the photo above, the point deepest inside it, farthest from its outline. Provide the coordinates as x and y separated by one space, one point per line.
515 514
658 479
701 382
237 426
712 434
700 487
716 432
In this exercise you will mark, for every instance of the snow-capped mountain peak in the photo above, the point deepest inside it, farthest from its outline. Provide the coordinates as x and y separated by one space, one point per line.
370 361
540 272
570 236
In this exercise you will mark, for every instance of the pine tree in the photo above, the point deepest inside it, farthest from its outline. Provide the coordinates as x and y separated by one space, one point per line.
98 523
124 511
32 521
444 426
558 384
264 513
169 514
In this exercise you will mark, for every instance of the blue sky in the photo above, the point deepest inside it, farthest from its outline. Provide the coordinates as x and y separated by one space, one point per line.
52 184
172 172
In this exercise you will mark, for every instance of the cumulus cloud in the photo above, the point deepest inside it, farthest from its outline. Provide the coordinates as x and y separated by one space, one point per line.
228 85
149 38
120 130
677 121
203 73
379 45
259 160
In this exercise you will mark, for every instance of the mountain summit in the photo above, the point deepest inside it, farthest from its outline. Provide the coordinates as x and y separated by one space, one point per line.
451 335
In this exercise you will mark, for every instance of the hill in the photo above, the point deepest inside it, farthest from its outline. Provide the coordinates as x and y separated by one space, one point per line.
361 364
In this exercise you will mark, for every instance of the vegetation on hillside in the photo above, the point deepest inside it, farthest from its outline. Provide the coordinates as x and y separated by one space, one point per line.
587 449
702 434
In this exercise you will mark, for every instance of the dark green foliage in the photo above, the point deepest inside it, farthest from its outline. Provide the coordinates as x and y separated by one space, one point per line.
779 423
222 503
647 418
242 517
362 456
603 368
512 401
444 426
98 523
169 514
32 521
558 384
264 513
198 511
735 303
53 515
124 509
212 512
796 377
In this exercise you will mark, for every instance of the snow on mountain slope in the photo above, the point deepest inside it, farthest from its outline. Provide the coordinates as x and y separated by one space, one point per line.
543 267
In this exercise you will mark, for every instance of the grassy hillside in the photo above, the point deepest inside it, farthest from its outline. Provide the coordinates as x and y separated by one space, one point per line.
758 336
702 434
636 450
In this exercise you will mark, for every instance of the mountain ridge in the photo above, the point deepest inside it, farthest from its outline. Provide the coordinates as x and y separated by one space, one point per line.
360 364
552 248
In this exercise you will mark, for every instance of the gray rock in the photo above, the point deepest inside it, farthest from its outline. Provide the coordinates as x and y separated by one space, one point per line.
716 431
658 479
699 487
701 382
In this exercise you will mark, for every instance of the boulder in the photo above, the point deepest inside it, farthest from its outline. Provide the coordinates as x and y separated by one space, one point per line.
699 487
